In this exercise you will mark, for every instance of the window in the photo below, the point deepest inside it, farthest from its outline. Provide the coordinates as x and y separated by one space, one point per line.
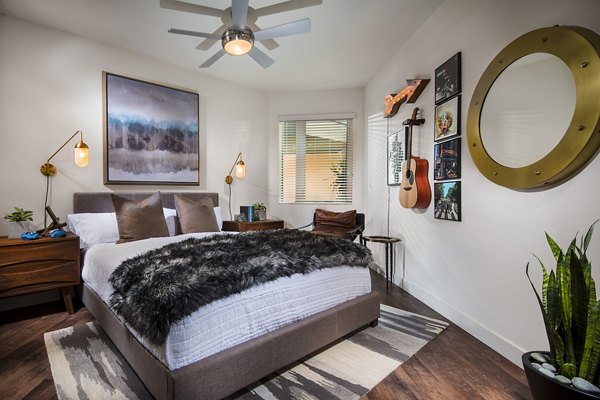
315 159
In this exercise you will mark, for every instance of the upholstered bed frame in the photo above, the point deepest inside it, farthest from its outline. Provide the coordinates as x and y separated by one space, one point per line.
226 372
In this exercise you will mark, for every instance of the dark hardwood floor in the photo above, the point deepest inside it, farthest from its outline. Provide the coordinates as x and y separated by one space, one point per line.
454 365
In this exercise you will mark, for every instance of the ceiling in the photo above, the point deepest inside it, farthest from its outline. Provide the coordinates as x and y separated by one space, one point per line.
349 42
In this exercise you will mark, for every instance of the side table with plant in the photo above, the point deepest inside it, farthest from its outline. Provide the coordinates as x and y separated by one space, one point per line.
571 314
18 222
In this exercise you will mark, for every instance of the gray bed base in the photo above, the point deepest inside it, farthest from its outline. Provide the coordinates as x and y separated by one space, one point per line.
233 369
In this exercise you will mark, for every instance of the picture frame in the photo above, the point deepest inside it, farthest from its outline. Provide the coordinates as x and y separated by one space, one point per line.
395 156
447 204
448 79
446 156
151 133
447 119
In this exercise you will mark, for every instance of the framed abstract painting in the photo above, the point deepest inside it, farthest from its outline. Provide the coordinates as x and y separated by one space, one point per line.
151 133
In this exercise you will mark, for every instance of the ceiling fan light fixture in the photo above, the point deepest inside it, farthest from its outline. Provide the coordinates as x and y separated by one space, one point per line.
236 42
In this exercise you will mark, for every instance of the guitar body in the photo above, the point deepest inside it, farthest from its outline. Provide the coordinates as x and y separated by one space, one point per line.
415 191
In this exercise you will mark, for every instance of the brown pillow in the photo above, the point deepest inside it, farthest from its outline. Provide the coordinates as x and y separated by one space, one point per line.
335 223
196 216
140 219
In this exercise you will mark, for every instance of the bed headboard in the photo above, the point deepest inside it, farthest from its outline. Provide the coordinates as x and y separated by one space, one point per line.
98 202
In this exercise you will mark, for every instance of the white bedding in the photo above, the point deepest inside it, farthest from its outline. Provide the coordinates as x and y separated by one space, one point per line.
238 318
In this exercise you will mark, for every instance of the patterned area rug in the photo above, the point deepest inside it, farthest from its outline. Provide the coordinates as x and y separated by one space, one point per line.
86 365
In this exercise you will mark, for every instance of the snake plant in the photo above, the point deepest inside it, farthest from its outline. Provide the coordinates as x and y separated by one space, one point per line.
570 310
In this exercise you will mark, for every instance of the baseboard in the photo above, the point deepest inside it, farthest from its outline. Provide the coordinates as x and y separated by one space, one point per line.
506 348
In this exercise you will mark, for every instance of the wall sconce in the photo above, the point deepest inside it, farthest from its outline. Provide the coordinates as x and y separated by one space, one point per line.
240 173
81 156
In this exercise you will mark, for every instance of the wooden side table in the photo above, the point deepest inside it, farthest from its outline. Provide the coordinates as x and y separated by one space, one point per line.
236 226
390 259
28 266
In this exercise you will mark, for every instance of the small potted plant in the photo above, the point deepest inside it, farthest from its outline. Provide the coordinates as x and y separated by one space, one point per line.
18 222
571 314
260 211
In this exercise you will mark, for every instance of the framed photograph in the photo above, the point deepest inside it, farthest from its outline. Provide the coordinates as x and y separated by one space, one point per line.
447 119
395 156
446 160
447 79
447 200
150 133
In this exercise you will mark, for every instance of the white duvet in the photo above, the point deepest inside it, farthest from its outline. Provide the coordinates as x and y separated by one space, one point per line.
238 318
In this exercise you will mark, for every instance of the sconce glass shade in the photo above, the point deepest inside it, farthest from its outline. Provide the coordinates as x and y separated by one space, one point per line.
240 170
237 42
81 154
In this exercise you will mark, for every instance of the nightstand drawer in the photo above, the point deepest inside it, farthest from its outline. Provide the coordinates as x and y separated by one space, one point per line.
28 266
236 226
32 276
42 251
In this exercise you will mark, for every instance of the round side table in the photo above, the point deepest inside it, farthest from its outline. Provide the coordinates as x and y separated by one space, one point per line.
390 259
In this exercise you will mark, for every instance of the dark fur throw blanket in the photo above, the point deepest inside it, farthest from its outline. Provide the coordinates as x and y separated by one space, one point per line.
156 289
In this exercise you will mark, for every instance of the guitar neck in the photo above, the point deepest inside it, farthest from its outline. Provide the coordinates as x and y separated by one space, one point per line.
408 134
412 121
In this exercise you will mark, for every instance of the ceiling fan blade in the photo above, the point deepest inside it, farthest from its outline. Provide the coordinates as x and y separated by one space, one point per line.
208 43
213 58
257 55
292 28
190 8
239 13
194 33
270 44
286 6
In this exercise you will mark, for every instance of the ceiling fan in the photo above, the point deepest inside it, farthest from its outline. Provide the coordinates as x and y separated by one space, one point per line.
239 30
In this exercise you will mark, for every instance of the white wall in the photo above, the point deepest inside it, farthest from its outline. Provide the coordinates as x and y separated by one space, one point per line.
51 86
473 271
314 102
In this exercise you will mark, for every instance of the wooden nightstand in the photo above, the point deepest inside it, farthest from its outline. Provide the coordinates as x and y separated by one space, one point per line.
252 226
28 266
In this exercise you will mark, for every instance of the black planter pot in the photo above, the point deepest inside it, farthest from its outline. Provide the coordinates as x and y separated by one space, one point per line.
543 387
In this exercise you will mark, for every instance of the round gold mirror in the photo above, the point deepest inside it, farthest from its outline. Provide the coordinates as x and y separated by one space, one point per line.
534 118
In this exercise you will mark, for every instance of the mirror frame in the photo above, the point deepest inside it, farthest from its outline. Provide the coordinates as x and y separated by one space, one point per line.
578 48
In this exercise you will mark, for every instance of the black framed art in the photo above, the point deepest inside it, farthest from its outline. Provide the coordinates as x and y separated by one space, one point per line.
447 119
447 79
395 156
447 201
446 160
151 133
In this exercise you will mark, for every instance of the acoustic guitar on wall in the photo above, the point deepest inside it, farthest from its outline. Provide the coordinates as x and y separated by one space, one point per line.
415 191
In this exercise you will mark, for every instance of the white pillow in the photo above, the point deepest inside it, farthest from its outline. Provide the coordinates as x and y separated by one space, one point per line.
94 228
170 215
219 217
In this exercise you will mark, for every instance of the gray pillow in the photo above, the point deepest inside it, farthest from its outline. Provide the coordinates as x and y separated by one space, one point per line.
196 216
139 220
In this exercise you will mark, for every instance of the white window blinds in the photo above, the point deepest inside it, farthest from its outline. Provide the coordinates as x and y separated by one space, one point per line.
315 160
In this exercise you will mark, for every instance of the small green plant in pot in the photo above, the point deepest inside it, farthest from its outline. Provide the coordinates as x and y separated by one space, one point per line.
18 222
571 315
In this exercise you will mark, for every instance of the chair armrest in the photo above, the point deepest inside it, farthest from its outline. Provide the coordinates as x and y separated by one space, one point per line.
304 226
